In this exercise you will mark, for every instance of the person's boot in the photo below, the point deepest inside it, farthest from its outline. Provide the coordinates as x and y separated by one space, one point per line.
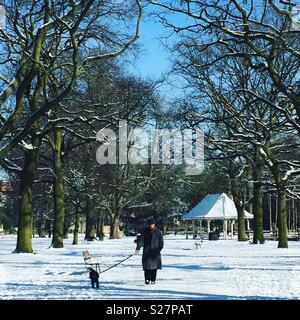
147 282
152 282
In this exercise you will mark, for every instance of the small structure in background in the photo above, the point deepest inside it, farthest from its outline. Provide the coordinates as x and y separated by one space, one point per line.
8 203
215 207
5 187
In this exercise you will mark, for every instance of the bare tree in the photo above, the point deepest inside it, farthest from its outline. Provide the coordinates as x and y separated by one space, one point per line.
266 28
43 42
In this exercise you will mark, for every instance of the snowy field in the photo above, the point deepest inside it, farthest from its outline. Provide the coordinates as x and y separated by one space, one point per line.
218 270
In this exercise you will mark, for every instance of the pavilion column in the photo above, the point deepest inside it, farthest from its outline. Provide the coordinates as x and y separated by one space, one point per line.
248 224
187 230
225 229
194 230
208 228
232 225
201 228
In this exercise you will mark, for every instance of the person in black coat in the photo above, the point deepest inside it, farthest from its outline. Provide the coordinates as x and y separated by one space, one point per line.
152 242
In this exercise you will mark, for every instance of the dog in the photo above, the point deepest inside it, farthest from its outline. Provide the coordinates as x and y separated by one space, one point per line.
94 276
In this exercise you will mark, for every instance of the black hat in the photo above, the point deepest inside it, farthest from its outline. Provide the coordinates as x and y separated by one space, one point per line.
151 221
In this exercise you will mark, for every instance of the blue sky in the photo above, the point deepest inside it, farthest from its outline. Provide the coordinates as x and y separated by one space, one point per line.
153 59
156 58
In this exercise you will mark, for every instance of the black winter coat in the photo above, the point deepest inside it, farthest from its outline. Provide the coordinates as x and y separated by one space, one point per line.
152 243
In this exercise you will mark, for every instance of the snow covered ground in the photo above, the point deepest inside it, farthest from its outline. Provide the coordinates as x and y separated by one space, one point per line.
218 270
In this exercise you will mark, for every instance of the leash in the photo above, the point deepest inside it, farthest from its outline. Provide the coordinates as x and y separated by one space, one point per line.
113 266
116 264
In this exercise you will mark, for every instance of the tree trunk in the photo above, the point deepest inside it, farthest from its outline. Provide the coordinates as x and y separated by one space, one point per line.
90 229
76 224
49 228
270 212
258 236
24 242
241 221
282 223
257 207
115 228
24 239
100 226
281 215
165 229
238 199
41 229
67 225
33 228
58 193
66 229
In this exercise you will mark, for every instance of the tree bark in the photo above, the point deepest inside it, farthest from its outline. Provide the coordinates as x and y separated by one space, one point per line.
100 226
24 239
258 236
76 225
281 202
282 221
241 220
49 229
24 242
58 193
115 232
238 199
165 229
90 229
66 229
41 229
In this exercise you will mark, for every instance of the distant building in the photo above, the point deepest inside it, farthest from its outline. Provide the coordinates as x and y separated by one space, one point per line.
216 207
5 187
